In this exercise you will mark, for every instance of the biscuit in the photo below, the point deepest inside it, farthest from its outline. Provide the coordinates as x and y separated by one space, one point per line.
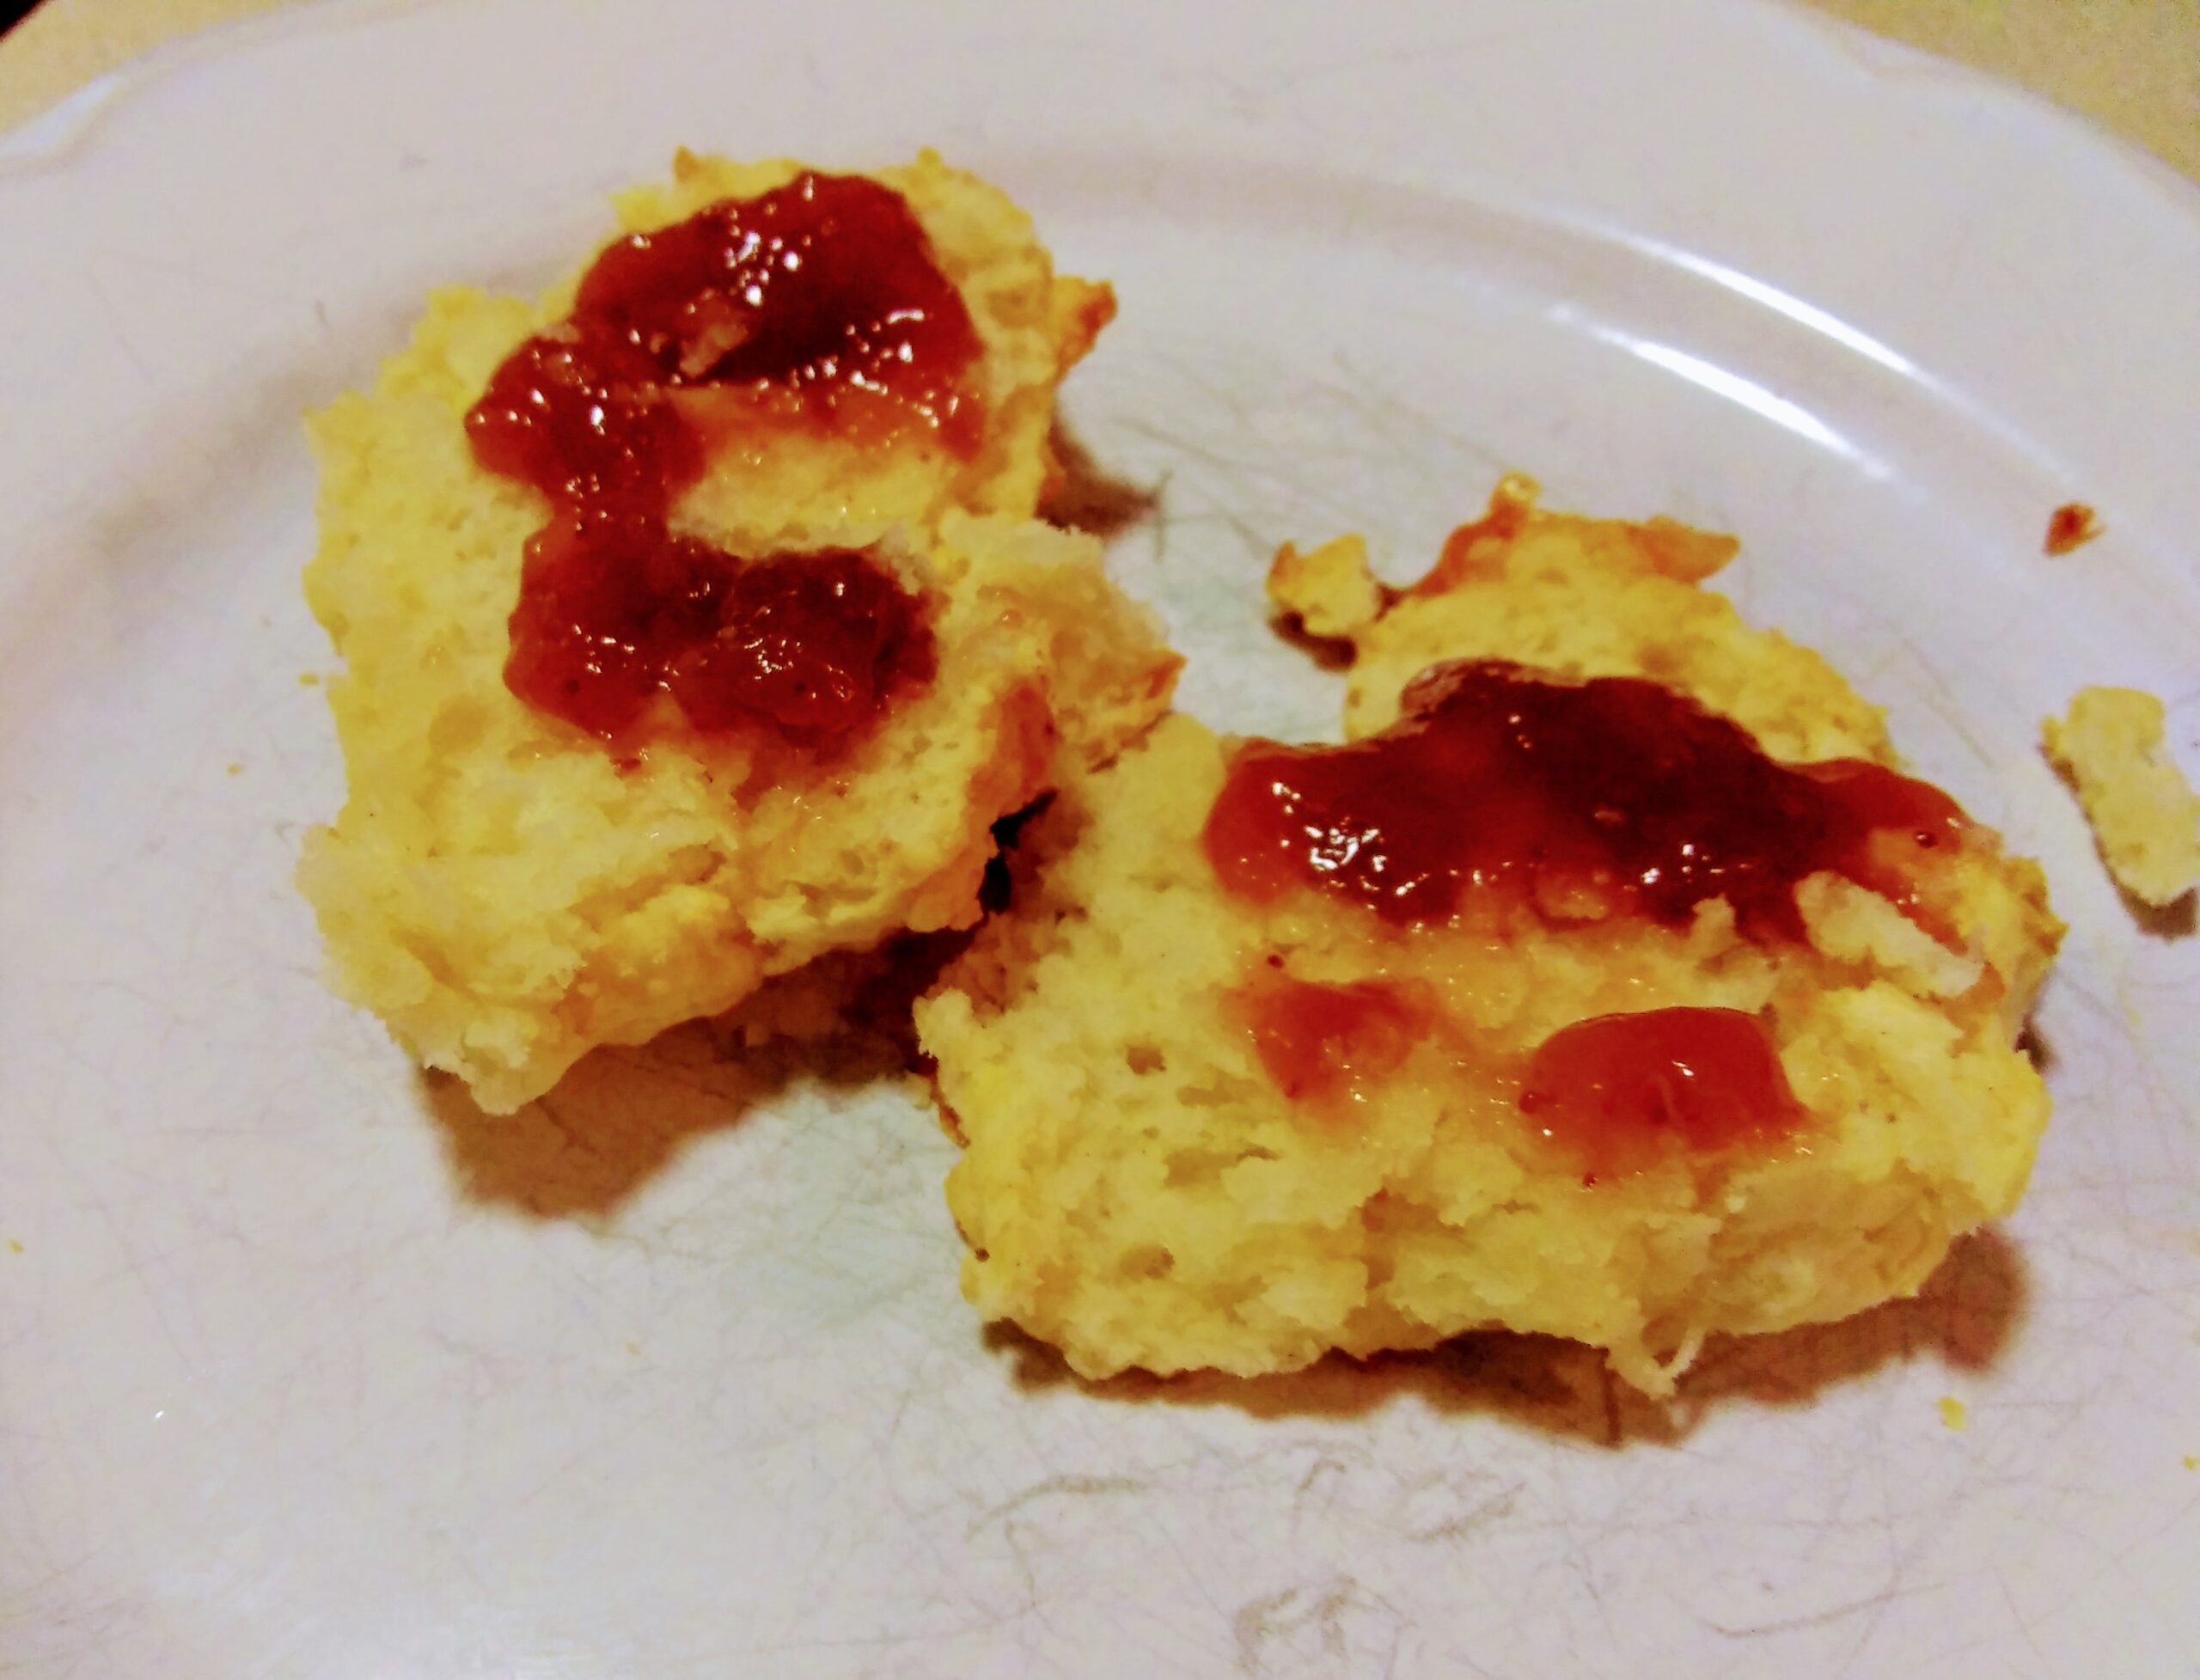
507 891
1210 1129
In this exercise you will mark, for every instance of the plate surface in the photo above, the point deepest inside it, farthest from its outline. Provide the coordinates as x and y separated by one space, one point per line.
305 1372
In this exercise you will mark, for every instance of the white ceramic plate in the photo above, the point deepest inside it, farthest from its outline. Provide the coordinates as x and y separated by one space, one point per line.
304 1373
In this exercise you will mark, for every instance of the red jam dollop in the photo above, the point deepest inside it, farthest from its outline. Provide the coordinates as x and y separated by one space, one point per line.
818 304
1325 1044
1580 800
1618 1091
2070 527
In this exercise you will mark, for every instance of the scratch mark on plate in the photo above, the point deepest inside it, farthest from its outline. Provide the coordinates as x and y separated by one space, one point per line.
1874 1601
1055 1486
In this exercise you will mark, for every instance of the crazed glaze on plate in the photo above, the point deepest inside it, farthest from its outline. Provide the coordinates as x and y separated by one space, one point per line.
308 1365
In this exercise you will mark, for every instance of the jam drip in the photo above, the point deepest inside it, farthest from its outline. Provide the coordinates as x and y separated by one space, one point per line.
1616 1092
819 305
1580 801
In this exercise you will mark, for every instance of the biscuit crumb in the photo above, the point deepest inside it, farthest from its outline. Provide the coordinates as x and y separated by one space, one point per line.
2070 526
2144 813
1328 589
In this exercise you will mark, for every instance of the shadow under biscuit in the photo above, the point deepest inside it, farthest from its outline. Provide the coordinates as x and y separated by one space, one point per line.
1084 497
621 1115
615 1120
1966 1315
2036 1048
1328 653
2178 919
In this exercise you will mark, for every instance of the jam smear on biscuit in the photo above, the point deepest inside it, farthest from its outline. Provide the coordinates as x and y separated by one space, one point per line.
1499 789
1326 1044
